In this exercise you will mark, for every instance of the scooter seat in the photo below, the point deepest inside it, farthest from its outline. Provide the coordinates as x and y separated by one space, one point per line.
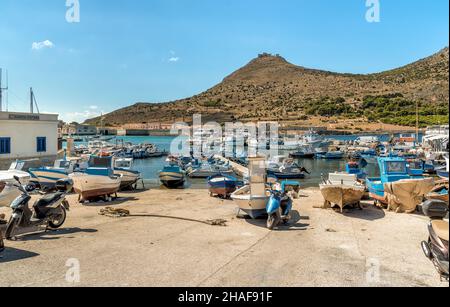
441 228
49 199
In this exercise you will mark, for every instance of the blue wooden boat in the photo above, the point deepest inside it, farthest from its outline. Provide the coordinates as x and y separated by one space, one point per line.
416 168
332 155
392 169
222 185
172 176
443 172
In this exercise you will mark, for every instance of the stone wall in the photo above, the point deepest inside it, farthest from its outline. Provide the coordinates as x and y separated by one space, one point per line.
41 161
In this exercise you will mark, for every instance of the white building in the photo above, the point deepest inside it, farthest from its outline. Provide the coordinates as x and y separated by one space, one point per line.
27 136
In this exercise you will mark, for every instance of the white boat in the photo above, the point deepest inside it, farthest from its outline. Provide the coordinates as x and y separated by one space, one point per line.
123 167
343 190
205 170
96 182
253 198
7 191
48 176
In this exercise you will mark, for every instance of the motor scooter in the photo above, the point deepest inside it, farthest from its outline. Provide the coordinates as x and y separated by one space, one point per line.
49 211
279 207
436 248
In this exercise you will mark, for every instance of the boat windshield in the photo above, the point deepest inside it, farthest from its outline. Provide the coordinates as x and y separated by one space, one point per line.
396 167
123 164
63 164
416 165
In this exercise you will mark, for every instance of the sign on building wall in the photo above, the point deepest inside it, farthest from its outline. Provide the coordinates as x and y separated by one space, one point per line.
24 117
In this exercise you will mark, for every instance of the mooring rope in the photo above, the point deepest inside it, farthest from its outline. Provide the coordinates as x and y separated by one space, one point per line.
119 213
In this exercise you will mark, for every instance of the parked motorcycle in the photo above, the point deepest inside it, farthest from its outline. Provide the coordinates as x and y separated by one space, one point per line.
49 211
279 208
436 248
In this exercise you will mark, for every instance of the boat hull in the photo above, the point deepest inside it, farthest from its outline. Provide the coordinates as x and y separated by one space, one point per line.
222 185
281 175
171 179
206 174
254 206
92 186
442 174
47 178
342 195
302 155
129 177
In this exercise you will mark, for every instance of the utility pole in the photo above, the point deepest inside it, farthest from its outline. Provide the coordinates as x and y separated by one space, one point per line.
417 122
2 88
33 102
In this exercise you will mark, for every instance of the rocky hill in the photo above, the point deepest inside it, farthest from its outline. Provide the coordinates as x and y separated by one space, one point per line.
271 88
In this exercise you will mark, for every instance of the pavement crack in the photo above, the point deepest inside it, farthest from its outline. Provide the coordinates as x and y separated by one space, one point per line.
233 259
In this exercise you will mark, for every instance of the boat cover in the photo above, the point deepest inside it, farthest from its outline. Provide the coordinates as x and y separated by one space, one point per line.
405 195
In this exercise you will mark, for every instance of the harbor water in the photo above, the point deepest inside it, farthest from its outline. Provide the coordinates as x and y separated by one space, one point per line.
318 168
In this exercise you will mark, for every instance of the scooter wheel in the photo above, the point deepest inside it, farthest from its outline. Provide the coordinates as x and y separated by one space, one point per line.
272 221
12 224
55 224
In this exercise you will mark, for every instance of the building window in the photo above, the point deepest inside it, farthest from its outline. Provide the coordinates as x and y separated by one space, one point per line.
5 146
41 144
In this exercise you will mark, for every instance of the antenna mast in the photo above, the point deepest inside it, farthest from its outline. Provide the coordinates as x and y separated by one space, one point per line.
2 88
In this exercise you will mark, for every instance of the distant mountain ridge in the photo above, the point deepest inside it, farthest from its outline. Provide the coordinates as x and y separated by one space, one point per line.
269 88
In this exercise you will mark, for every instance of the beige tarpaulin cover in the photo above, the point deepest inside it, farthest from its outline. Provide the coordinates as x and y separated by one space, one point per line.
406 195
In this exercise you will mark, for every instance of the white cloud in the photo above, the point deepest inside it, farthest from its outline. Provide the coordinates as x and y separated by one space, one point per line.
81 116
42 45
174 59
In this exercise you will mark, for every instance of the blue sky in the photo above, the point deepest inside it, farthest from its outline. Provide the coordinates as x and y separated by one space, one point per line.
122 52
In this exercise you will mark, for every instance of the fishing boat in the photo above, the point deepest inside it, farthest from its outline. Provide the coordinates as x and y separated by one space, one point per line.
443 171
331 155
439 193
206 169
287 170
305 152
416 168
7 191
47 177
392 170
222 185
124 167
253 198
96 182
342 190
172 176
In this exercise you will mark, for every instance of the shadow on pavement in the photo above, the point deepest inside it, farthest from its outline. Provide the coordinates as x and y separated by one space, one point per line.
13 254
